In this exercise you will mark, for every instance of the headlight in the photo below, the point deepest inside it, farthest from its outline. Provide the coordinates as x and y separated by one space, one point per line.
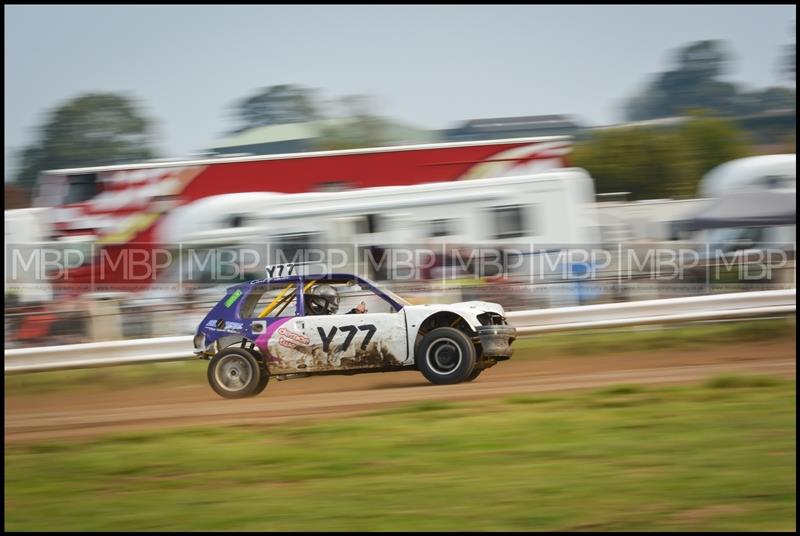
491 319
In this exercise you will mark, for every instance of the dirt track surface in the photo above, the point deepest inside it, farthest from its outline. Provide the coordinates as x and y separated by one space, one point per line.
52 416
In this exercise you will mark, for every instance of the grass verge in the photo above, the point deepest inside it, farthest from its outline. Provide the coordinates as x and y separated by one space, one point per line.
657 337
622 458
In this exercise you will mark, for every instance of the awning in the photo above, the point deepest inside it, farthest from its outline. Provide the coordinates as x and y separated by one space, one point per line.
744 208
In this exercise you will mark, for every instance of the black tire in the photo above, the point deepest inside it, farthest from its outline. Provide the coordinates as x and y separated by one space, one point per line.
236 373
262 383
474 374
445 356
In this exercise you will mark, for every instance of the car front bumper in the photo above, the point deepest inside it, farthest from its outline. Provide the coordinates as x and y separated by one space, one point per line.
496 340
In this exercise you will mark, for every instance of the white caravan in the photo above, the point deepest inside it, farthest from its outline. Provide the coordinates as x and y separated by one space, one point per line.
26 231
774 173
545 211
759 172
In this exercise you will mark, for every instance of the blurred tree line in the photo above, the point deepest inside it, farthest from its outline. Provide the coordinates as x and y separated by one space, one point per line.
651 162
92 130
359 124
277 105
695 82
105 128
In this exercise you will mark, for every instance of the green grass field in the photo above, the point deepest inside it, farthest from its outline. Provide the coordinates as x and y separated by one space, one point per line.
590 342
718 456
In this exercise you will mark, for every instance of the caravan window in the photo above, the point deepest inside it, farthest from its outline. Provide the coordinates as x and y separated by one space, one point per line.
81 188
509 221
778 181
441 227
368 224
294 248
217 266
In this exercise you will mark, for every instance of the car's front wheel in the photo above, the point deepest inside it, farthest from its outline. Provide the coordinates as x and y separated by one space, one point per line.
474 374
446 355
236 373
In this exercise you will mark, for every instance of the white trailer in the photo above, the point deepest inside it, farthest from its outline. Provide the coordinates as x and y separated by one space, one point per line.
26 231
553 207
764 171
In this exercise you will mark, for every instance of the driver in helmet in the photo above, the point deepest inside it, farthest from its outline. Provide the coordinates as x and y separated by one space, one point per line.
323 299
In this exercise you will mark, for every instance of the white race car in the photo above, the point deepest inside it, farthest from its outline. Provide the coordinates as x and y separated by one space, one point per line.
299 325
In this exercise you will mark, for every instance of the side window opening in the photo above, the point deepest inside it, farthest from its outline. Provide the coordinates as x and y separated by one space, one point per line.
441 227
351 296
368 224
272 301
81 187
222 264
509 221
236 220
294 248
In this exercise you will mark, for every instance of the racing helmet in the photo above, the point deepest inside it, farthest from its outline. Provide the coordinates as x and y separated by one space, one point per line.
322 300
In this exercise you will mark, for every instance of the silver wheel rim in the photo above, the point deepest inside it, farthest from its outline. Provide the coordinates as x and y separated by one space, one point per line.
233 373
443 356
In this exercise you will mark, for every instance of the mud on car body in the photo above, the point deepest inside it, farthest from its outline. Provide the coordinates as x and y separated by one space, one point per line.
273 328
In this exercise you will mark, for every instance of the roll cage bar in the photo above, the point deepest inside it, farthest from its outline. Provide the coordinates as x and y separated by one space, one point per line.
294 281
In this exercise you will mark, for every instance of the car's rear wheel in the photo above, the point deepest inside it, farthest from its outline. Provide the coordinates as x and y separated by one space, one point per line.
445 356
236 373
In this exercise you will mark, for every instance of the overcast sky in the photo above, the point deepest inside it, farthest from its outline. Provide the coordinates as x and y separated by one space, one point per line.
430 66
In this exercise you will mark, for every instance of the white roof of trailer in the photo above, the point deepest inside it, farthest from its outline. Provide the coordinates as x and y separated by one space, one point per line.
269 202
386 198
750 171
314 154
258 207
